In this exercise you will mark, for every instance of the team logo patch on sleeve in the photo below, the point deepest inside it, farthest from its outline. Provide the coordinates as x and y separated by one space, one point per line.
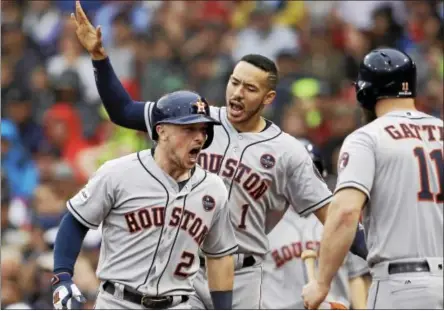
84 194
267 161
208 203
343 161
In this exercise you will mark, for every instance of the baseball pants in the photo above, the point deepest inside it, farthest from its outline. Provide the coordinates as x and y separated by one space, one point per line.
108 301
246 291
394 289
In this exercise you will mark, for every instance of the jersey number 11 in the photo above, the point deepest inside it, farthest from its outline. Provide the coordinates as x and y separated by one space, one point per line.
437 157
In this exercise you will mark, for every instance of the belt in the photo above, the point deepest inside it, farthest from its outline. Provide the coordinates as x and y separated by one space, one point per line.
131 295
248 262
406 267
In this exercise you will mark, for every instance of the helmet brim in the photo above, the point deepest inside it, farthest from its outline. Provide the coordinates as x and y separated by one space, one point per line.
191 119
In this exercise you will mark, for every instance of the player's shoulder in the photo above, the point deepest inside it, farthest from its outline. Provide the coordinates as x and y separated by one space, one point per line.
290 143
215 112
367 134
115 166
291 148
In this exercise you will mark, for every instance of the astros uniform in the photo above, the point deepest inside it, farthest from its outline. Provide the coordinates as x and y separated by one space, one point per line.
284 270
262 171
152 229
397 161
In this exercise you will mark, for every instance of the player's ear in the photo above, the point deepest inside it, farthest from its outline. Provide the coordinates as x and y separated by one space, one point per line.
160 131
269 97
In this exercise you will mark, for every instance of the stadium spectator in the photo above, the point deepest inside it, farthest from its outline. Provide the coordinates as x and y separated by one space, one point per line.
17 164
63 129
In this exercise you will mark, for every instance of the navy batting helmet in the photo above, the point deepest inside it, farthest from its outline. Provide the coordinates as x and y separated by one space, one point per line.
385 73
315 155
182 107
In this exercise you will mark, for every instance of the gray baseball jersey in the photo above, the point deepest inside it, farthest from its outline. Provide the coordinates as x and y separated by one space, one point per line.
397 161
264 171
152 230
284 270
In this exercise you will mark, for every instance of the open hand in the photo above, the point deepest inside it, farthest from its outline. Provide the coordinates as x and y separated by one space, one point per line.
89 36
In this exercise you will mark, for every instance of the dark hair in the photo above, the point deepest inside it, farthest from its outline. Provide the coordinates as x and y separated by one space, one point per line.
266 65
122 18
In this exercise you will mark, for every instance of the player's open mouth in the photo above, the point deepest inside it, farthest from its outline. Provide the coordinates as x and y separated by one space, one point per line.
194 153
236 108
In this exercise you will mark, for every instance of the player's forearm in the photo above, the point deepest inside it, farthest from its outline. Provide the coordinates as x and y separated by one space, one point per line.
220 273
68 243
339 231
121 109
358 293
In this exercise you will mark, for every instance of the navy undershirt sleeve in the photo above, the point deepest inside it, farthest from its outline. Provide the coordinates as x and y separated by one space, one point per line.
68 243
121 109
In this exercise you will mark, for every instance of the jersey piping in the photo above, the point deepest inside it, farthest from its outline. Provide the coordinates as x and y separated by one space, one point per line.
79 217
161 232
227 251
228 144
242 155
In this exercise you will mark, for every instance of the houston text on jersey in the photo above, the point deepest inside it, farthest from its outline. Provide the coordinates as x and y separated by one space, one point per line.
147 218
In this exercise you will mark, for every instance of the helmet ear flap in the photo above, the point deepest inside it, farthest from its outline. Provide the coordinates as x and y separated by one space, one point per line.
210 136
365 94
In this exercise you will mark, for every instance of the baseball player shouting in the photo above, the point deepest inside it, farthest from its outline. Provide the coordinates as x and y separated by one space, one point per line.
394 167
262 167
284 270
156 208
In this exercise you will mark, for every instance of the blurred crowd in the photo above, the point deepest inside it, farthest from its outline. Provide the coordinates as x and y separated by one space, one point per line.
55 132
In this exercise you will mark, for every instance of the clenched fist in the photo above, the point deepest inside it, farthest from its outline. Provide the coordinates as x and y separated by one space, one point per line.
314 294
65 294
89 36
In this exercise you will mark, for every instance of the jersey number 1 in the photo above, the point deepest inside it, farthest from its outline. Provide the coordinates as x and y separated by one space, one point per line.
243 216
436 156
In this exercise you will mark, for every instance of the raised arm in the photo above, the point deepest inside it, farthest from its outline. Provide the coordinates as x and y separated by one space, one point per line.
121 109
